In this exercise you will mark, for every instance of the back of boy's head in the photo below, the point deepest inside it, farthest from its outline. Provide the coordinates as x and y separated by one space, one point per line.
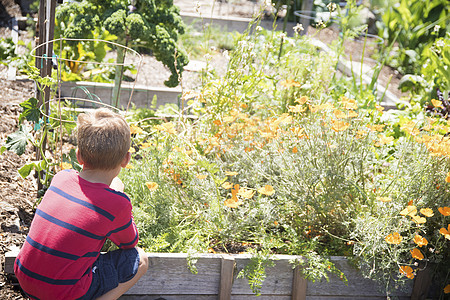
103 139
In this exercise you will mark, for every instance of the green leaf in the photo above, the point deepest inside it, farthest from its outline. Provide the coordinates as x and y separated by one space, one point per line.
36 165
18 140
26 169
30 110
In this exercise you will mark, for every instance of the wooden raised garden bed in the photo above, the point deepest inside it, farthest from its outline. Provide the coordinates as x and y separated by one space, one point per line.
169 278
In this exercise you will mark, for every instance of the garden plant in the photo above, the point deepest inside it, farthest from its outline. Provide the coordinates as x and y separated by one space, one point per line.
280 155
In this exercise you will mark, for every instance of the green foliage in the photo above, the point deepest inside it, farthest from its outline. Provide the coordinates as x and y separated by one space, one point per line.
150 25
415 22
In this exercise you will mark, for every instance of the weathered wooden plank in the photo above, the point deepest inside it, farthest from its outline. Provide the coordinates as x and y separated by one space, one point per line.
226 277
357 285
168 274
278 279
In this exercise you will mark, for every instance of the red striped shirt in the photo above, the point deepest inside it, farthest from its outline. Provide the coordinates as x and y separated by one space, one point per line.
69 228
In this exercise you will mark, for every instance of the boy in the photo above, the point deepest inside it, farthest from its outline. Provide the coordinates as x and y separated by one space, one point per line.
61 257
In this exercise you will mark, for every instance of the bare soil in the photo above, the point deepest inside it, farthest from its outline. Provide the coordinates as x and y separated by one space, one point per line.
17 195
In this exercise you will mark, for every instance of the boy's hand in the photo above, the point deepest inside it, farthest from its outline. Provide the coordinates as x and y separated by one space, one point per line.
117 184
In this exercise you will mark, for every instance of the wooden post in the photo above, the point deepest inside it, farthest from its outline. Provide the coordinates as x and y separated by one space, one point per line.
226 277
44 54
422 282
299 285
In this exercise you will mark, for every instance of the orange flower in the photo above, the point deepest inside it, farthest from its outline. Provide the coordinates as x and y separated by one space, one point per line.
352 114
393 238
135 129
290 83
297 108
447 179
420 241
379 107
65 166
416 254
427 212
246 193
349 103
294 150
418 219
447 289
437 103
302 100
267 190
168 127
152 186
444 211
129 166
201 176
233 202
384 199
445 232
410 210
407 271
339 114
339 125
227 185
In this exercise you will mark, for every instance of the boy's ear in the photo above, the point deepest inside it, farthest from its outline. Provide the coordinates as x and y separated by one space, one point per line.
80 160
126 160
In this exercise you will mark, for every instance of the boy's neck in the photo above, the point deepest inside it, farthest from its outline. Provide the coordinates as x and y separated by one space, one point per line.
99 176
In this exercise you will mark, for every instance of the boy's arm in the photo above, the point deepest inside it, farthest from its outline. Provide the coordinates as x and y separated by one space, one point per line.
125 235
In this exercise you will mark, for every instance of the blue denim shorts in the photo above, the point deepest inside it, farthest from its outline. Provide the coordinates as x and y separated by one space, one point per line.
110 269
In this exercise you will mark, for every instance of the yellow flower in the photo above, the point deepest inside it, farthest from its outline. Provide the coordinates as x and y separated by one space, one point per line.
227 185
420 241
379 107
349 103
445 232
384 199
232 202
410 210
201 176
339 114
267 190
447 179
407 271
297 108
135 129
65 166
129 166
352 114
427 212
437 103
419 219
246 193
444 211
132 150
168 127
302 100
289 83
393 238
152 186
231 173
145 145
415 253
339 125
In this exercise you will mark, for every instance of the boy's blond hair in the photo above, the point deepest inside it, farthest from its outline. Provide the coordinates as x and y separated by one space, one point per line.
103 139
